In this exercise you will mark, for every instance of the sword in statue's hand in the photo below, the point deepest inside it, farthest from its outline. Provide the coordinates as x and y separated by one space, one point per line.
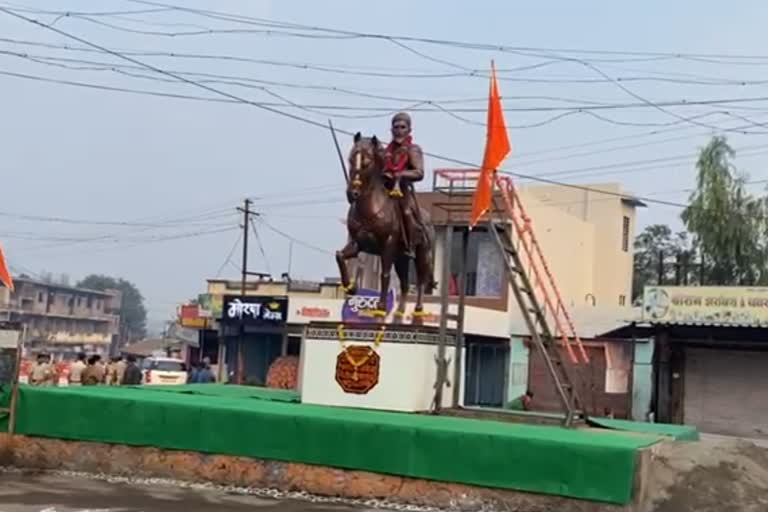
338 150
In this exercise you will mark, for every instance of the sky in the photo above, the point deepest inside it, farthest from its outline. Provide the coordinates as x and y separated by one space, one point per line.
145 187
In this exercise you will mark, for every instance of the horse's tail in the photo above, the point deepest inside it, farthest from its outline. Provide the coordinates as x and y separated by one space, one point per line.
429 240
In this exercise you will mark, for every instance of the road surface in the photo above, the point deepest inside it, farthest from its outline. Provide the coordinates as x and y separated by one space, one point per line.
40 492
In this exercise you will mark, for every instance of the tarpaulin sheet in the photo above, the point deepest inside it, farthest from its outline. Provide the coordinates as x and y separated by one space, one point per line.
676 432
540 459
279 395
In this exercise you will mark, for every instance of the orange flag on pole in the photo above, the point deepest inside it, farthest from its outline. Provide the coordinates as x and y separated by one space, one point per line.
497 147
5 275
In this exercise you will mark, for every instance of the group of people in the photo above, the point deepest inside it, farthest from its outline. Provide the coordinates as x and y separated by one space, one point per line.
88 371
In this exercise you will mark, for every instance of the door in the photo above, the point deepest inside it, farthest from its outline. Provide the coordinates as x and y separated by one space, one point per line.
590 383
486 374
726 391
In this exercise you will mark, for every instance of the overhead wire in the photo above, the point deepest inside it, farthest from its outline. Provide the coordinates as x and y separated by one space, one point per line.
224 16
321 109
398 40
280 112
293 239
255 83
261 247
376 72
231 252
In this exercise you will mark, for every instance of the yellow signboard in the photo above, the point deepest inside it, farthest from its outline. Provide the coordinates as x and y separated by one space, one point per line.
706 305
194 322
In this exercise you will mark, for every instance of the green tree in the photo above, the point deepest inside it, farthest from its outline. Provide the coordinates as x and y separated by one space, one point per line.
657 244
727 224
133 314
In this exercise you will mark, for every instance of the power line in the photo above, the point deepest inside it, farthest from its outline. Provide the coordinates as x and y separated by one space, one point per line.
429 104
686 157
446 42
286 114
436 108
65 220
293 238
526 162
435 104
399 41
384 73
231 253
516 158
261 248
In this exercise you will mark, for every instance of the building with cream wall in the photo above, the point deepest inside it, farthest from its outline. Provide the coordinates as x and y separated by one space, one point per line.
61 319
586 239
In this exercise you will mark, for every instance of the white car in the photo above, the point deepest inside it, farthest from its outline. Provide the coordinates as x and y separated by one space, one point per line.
163 371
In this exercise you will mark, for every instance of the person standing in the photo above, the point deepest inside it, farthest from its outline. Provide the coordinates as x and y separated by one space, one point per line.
111 372
76 371
132 375
205 374
42 372
93 373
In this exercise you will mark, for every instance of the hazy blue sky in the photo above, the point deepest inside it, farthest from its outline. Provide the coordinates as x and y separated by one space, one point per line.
180 167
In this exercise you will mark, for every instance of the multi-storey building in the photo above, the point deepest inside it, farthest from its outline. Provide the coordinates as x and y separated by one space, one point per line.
62 320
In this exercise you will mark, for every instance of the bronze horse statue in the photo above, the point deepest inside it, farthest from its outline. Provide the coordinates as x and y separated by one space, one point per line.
374 227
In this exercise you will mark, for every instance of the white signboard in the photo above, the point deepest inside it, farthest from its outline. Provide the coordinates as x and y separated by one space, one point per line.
9 339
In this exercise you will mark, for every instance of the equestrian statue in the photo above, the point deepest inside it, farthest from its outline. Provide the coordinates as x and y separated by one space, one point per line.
384 217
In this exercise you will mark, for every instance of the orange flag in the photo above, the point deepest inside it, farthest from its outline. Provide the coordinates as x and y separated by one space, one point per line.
497 148
5 275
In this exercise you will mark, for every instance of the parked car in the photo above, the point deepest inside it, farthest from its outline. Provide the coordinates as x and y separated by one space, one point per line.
163 371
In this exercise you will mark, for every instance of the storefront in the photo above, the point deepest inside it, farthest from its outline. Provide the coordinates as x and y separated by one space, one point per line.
196 318
711 359
254 333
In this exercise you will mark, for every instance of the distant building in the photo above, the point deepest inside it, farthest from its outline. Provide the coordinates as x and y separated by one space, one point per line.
62 320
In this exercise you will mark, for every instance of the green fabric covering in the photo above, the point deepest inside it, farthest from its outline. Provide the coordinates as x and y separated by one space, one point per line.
5 401
540 459
676 432
225 390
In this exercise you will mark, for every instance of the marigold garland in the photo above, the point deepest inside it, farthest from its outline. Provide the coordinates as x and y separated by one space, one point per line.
362 361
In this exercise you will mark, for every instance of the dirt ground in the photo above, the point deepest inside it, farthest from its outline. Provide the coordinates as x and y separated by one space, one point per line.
717 474
32 491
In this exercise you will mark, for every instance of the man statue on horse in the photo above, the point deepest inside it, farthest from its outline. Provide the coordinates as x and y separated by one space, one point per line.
403 166
384 218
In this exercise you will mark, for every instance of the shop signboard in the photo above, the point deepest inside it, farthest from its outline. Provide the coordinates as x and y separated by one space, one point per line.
254 310
706 305
360 306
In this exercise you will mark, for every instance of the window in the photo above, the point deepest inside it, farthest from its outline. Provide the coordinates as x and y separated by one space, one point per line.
625 234
163 365
484 265
40 297
89 301
622 300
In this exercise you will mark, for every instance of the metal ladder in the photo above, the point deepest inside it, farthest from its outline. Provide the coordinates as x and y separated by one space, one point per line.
534 308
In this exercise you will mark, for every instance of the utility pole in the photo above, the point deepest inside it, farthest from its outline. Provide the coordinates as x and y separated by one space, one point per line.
244 276
246 224
290 257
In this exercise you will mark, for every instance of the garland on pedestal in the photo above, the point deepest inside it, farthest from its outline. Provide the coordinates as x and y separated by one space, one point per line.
371 350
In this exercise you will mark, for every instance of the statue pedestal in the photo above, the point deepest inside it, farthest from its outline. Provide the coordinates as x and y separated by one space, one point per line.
394 369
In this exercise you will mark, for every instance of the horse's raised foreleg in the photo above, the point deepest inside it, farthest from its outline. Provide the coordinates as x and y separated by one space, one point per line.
349 251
